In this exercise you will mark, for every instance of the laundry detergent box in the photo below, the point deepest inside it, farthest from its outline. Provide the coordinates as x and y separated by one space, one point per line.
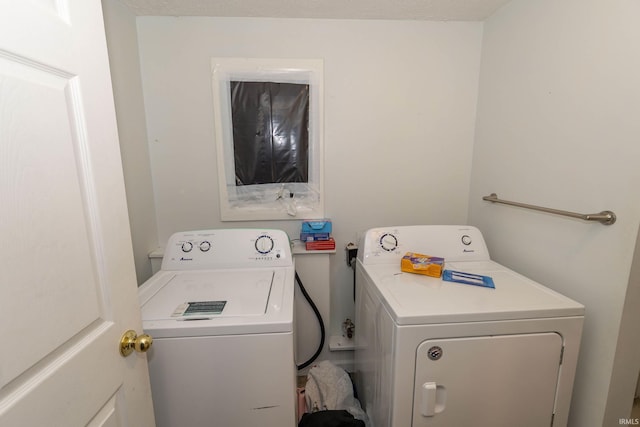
422 264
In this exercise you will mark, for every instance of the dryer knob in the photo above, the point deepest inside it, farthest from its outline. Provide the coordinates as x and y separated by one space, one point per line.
205 246
187 246
388 242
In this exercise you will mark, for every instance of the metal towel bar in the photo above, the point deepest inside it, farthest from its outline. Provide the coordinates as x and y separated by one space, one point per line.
604 217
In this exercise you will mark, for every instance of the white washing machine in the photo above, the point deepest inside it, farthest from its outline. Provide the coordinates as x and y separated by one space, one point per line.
220 312
437 353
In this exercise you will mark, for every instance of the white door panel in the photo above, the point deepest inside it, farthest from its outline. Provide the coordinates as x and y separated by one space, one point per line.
41 193
67 282
490 381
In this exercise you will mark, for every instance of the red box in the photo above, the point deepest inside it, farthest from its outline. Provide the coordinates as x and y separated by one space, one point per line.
321 245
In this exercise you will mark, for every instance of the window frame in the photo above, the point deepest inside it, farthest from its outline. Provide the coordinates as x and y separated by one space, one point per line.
268 201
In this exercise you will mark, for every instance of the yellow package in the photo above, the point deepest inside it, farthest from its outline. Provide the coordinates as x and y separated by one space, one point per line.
422 264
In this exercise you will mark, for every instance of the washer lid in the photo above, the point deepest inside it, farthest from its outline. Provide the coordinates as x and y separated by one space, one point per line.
191 295
222 302
418 299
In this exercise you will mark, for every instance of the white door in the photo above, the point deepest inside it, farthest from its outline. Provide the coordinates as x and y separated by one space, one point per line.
67 280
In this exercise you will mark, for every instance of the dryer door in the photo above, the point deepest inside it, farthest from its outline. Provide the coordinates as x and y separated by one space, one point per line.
487 381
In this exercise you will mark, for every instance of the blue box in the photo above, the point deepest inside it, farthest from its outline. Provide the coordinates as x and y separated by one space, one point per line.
316 226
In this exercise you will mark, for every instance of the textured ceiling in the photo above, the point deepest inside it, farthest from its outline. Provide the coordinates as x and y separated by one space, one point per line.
433 10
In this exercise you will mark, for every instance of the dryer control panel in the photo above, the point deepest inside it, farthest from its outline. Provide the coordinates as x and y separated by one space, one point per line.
227 248
387 245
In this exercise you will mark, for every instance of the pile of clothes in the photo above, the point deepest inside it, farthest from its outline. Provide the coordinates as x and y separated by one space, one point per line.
328 399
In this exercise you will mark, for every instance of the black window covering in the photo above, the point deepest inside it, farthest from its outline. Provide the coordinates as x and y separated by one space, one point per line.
270 132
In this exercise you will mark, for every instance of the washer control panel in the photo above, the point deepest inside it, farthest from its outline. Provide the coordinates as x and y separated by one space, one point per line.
227 248
452 242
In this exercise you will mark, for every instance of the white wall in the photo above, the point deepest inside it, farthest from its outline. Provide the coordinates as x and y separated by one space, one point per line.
400 103
626 365
120 27
558 126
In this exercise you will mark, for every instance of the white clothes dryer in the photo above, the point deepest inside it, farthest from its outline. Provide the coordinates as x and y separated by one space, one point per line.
436 353
220 312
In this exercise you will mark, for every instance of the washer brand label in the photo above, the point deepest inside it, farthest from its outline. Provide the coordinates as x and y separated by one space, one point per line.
186 259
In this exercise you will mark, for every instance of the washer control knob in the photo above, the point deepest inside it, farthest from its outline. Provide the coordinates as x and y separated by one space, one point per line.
205 246
264 244
466 240
187 246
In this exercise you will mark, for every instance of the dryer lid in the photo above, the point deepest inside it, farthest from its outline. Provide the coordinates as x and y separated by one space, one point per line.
417 299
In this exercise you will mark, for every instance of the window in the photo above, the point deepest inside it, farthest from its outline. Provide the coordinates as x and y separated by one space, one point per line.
268 129
270 132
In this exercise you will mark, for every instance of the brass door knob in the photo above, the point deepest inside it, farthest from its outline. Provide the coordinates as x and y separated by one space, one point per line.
131 341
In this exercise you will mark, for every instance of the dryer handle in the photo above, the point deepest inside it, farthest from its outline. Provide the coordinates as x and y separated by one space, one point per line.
432 399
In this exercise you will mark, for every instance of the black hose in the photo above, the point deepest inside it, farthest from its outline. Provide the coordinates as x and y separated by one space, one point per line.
322 332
